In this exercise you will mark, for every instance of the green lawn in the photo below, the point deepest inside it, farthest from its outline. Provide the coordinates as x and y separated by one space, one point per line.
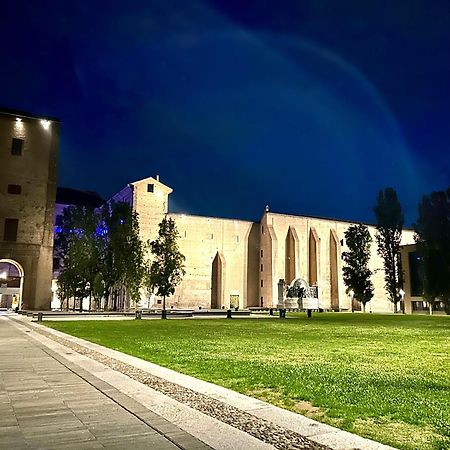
383 377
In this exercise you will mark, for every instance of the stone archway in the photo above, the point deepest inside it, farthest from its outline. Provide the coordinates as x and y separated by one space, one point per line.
11 284
290 258
313 257
334 286
217 281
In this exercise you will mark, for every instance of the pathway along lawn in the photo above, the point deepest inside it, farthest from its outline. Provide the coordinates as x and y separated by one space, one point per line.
382 377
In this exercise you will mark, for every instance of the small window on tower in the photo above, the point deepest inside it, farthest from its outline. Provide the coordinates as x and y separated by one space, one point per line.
14 189
16 147
10 230
150 187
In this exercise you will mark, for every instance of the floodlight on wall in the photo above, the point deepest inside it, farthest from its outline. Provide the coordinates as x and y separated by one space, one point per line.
3 276
45 124
19 124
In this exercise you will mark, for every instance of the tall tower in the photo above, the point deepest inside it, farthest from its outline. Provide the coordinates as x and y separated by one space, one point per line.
28 155
151 202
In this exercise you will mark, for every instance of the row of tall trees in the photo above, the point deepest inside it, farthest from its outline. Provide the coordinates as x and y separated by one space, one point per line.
356 272
433 245
102 257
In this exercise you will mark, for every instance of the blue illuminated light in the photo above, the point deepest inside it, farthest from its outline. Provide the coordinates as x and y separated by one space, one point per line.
101 231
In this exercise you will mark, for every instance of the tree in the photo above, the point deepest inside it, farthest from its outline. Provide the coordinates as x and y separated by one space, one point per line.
78 252
433 244
167 267
123 260
101 253
356 272
389 216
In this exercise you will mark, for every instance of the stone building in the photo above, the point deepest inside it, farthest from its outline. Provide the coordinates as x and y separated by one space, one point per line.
28 170
237 263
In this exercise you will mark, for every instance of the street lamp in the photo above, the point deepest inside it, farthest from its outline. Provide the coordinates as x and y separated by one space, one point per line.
3 276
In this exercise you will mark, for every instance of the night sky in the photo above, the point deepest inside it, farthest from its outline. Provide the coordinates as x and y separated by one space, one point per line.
310 107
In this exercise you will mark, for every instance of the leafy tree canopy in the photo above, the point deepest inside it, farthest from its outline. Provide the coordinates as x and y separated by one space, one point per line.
390 219
167 267
101 253
433 243
356 272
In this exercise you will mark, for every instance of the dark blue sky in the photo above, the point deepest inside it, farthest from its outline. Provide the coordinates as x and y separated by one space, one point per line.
308 106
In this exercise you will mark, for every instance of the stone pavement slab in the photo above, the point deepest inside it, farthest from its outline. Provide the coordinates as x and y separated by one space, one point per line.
46 404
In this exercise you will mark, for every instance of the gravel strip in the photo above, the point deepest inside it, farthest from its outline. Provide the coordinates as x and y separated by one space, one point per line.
261 429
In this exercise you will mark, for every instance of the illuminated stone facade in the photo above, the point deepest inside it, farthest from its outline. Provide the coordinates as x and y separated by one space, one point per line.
236 263
28 169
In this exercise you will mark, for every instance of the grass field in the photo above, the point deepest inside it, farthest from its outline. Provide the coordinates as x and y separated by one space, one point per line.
383 377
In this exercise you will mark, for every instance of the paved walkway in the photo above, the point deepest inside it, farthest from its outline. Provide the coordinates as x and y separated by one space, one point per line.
46 402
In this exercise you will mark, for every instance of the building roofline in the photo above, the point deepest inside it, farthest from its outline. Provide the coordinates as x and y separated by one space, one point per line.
332 219
209 217
25 114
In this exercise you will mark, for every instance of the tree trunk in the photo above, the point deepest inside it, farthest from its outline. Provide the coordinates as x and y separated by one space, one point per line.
107 295
395 308
163 314
363 307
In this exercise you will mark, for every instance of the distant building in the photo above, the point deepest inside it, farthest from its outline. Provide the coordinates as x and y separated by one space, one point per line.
413 286
237 263
28 170
75 197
